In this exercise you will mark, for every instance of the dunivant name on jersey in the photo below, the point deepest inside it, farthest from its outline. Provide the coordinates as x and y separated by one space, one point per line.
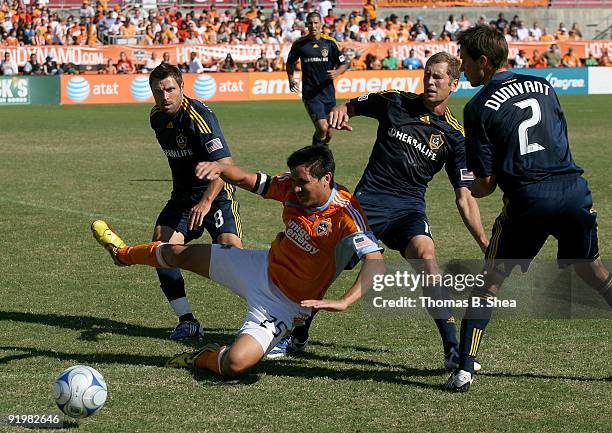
506 92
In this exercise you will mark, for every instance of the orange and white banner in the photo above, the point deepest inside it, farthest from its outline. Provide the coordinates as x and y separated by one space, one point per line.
249 53
467 3
241 86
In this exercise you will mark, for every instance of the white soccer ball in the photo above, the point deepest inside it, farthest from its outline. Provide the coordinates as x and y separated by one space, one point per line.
79 391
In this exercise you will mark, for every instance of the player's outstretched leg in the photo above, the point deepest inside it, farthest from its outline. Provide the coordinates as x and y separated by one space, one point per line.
109 240
234 360
208 353
194 258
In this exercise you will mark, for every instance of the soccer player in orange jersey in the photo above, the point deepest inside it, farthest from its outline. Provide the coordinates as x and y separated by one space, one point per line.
324 228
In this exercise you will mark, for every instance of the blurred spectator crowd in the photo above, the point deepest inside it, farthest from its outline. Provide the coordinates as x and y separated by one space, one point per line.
96 23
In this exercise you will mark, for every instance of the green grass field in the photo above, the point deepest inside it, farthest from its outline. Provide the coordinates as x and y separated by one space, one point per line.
63 302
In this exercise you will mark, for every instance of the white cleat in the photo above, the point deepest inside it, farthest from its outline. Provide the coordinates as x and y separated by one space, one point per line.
459 381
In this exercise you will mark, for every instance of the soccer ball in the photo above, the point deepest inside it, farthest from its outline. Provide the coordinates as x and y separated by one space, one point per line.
79 391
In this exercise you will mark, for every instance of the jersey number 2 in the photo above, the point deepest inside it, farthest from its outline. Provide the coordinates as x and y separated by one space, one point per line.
536 115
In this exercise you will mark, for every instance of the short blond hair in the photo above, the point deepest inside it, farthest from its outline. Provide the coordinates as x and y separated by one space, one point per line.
453 63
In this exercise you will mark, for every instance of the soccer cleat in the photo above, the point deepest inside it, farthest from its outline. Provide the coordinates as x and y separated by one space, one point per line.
187 329
451 361
106 237
459 381
187 359
287 346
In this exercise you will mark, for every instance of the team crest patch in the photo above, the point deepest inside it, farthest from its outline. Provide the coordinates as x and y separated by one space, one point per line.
436 141
324 52
181 141
169 125
424 119
323 227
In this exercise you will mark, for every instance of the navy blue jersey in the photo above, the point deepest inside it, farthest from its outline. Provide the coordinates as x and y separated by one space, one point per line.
316 57
188 137
517 132
412 144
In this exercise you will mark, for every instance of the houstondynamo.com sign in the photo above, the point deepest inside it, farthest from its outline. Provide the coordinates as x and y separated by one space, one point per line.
14 91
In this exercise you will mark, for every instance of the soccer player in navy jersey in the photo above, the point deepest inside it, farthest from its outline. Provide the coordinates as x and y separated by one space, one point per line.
189 133
321 62
516 137
417 136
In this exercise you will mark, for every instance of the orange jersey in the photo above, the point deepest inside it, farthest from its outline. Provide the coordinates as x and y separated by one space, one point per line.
317 244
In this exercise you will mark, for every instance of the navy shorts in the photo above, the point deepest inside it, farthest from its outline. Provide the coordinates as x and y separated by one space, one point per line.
561 208
395 227
319 106
223 217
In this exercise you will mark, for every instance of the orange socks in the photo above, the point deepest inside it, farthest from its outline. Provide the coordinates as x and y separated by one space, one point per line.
211 360
143 254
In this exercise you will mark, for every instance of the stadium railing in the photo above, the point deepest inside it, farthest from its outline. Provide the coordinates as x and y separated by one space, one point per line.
580 3
76 4
220 5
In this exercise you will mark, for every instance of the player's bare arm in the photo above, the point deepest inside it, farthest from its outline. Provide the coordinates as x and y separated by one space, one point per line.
339 116
470 214
293 85
483 186
228 172
373 264
201 209
335 73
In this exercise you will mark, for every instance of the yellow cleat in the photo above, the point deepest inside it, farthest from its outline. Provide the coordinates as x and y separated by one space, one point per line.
187 359
106 237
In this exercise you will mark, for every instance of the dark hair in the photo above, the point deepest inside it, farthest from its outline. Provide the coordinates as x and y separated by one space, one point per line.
318 159
454 64
165 70
313 14
485 41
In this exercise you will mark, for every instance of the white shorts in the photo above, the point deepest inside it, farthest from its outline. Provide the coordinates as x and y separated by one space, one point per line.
270 315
